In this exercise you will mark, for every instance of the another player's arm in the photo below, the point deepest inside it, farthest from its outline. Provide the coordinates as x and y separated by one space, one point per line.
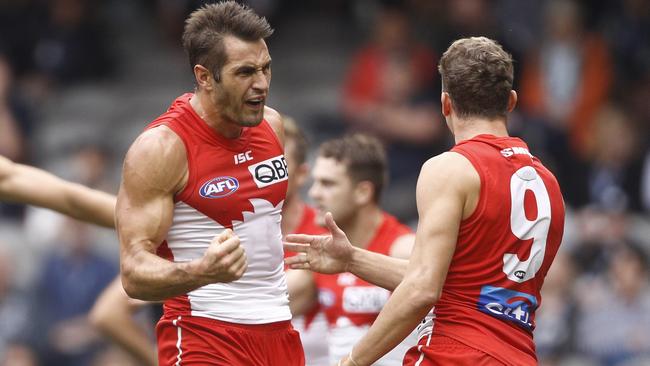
113 315
382 270
302 291
335 254
25 184
444 189
155 168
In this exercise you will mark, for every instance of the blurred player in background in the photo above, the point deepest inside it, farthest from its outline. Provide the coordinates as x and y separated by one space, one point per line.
349 176
299 217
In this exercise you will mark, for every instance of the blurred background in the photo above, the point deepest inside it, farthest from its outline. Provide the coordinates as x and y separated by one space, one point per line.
79 80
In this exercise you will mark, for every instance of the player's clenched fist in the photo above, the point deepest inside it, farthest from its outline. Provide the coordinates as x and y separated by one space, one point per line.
225 259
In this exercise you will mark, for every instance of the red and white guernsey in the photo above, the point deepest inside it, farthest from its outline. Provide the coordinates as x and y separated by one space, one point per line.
503 253
351 304
233 183
312 326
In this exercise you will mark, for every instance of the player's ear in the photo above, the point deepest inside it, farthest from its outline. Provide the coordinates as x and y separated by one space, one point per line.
445 104
512 100
203 77
364 192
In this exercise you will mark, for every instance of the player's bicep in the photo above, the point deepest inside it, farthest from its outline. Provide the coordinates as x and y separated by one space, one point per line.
440 200
153 170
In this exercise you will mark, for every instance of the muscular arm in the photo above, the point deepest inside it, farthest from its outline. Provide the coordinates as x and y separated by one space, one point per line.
444 186
154 169
33 186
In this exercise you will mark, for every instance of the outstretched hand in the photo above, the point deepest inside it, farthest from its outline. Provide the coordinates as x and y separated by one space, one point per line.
320 253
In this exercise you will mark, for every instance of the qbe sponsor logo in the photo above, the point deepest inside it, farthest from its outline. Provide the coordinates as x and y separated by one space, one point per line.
219 187
270 171
508 305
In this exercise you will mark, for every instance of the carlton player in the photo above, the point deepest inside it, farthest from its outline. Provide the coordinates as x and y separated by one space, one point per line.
491 222
198 212
349 175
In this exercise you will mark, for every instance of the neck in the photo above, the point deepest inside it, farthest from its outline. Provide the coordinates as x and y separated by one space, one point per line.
362 227
291 214
466 128
204 107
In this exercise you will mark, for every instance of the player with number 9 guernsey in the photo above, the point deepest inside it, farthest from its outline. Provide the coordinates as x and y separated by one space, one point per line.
502 280
491 219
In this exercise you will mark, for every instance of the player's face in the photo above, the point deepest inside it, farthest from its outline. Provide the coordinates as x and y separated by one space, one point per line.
332 190
241 93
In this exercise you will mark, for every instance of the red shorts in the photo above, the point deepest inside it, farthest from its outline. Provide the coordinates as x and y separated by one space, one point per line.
443 351
203 341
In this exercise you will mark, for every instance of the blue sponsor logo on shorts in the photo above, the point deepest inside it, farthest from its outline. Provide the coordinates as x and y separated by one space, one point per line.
219 187
508 305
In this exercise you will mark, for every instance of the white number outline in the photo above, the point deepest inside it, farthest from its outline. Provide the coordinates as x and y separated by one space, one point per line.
527 179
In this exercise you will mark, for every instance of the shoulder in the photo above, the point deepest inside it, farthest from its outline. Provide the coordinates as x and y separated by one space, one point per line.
274 118
448 168
158 157
449 176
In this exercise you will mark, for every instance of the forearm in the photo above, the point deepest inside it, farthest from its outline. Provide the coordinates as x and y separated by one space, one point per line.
404 310
113 314
146 276
378 269
91 205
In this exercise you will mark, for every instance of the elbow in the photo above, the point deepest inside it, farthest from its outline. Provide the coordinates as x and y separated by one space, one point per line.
424 298
129 283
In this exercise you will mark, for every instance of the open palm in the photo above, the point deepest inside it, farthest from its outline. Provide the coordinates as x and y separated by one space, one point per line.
320 253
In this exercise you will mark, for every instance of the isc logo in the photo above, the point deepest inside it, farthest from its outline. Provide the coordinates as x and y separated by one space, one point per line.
219 187
269 171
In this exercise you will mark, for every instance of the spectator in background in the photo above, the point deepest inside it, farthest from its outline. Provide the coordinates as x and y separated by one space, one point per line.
72 278
15 126
566 80
390 92
554 334
74 43
614 313
11 139
615 164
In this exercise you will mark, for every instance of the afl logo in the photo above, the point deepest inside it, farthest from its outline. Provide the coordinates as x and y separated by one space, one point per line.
219 187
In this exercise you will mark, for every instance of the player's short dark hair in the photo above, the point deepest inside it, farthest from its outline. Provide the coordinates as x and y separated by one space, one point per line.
206 27
293 133
478 75
364 157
